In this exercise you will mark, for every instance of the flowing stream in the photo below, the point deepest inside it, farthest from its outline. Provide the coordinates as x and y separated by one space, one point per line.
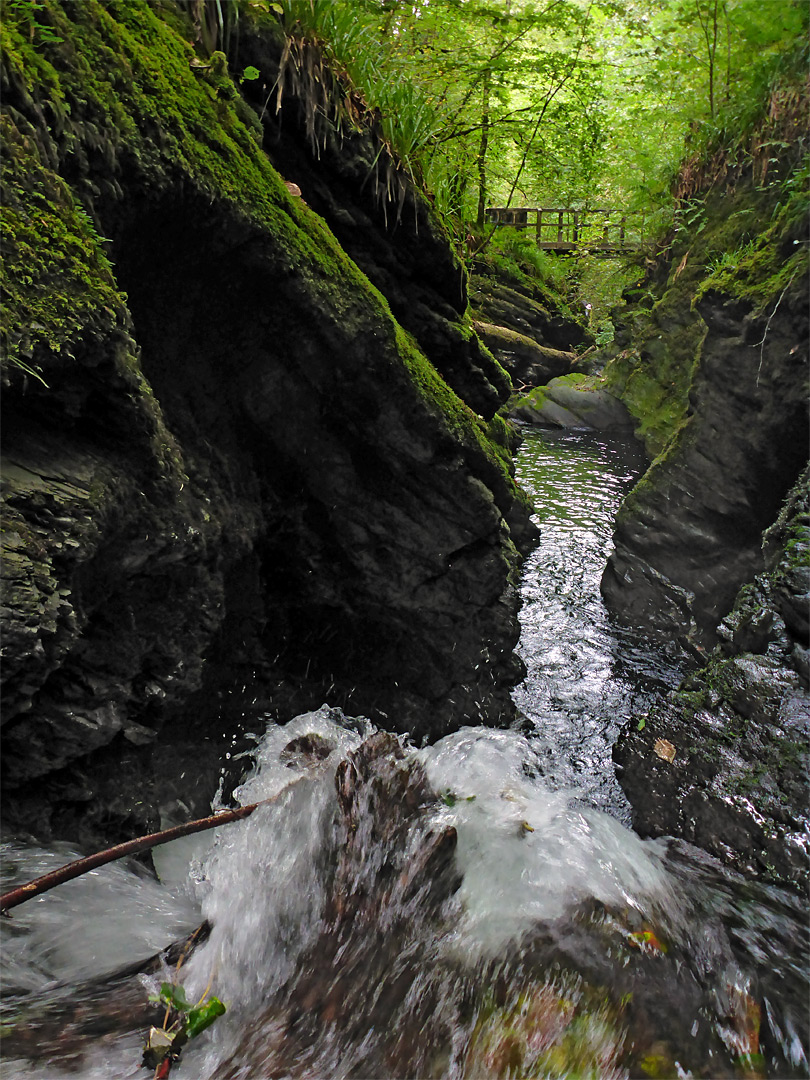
512 926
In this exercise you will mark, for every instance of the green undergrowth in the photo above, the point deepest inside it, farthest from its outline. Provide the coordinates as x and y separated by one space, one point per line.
761 268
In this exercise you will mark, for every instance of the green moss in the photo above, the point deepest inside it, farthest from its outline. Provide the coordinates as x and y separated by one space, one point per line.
654 375
467 427
760 252
738 244
536 397
56 279
758 272
546 1031
128 79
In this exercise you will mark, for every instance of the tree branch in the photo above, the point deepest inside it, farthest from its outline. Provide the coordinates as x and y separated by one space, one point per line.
43 884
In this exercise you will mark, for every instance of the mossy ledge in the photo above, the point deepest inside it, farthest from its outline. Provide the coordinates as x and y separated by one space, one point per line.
222 452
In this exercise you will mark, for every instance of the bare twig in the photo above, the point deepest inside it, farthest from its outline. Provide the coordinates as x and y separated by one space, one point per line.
43 884
768 325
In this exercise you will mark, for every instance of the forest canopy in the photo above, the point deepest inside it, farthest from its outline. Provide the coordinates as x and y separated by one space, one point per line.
582 103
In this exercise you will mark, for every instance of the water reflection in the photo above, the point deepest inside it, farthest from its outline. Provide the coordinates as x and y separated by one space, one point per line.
584 679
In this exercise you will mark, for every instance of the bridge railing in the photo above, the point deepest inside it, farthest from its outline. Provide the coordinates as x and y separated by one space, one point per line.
568 229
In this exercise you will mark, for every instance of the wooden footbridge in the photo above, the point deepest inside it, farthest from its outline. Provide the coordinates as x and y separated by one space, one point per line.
599 232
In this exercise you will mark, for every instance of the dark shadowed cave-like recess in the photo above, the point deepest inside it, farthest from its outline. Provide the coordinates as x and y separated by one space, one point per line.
240 462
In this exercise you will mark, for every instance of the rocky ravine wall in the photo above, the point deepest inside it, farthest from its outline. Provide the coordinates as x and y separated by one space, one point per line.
241 461
714 369
711 547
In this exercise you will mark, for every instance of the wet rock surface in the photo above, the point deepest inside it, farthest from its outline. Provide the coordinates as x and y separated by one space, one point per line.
605 989
689 535
725 763
392 876
526 333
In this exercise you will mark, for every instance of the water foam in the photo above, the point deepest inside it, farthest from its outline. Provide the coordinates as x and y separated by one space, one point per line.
529 853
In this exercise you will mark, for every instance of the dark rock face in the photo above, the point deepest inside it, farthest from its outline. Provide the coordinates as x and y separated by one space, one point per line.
244 466
527 313
689 534
396 242
725 763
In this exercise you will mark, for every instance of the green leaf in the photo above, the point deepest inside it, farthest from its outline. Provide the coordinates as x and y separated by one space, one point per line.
250 73
199 1019
642 723
174 996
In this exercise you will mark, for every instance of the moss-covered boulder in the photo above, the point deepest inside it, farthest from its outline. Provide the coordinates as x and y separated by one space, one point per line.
222 452
573 401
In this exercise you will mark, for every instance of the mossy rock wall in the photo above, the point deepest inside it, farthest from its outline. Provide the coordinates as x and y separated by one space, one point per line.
711 544
715 372
222 451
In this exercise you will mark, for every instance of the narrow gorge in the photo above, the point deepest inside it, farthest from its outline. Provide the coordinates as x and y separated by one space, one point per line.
307 499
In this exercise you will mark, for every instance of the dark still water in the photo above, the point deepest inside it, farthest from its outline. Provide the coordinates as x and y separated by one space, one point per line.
585 678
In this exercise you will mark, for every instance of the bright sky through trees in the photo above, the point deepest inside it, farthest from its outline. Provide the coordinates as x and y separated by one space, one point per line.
557 102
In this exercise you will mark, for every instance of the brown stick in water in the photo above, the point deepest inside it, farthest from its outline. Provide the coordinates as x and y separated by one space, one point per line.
43 884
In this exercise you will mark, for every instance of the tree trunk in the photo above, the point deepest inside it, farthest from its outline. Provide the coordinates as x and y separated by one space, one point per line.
481 160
